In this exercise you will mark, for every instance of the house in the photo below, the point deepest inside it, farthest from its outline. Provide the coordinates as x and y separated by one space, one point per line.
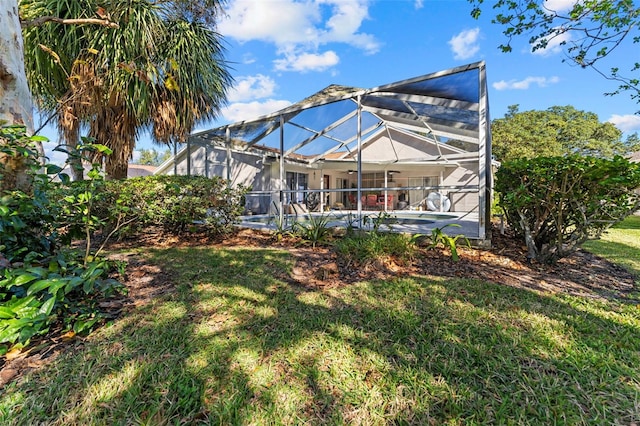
138 170
419 144
133 170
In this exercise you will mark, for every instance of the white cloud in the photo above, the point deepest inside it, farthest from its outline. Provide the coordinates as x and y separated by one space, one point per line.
307 61
251 87
248 58
627 123
554 44
279 22
465 44
249 110
558 5
419 4
299 26
524 84
343 25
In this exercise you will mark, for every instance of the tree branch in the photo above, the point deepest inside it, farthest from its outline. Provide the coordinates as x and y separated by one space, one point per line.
80 21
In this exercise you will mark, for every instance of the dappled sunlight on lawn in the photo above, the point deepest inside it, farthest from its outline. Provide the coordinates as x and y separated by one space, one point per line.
241 343
621 245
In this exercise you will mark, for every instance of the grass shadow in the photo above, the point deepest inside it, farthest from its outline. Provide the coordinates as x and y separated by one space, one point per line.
239 343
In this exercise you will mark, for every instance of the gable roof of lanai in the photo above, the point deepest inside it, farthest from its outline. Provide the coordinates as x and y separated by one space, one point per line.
438 117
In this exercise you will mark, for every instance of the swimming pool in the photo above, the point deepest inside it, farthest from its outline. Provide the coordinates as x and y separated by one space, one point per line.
405 221
342 219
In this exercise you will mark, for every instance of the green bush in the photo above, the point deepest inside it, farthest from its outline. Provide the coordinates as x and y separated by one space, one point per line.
174 203
65 290
557 203
27 228
41 281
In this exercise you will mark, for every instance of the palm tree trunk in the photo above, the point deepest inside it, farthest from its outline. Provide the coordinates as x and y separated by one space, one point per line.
116 169
76 166
15 98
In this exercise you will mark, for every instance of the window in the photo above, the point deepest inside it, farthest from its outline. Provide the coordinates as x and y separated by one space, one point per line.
373 180
298 182
416 196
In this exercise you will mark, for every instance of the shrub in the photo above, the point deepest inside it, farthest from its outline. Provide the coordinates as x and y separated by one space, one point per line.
315 230
174 203
366 248
65 289
40 281
438 237
26 218
557 203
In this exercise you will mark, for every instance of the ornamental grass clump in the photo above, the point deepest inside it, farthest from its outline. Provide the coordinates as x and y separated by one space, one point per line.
367 248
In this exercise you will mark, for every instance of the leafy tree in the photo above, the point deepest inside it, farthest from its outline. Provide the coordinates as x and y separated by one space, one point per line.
158 66
556 131
589 30
152 157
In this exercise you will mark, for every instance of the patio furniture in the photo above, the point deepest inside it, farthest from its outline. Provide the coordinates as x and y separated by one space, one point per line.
371 201
388 205
438 202
352 201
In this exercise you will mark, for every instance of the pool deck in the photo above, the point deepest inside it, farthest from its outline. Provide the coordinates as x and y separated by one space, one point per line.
468 222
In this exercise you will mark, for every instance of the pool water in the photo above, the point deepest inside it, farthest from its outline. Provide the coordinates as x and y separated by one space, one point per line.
340 219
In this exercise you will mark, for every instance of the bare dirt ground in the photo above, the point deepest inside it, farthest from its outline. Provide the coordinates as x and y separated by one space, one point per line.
582 274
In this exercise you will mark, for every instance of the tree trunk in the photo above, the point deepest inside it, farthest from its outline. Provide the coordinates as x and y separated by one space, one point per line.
75 162
115 169
15 98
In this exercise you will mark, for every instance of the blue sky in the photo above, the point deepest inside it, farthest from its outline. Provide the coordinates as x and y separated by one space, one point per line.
282 51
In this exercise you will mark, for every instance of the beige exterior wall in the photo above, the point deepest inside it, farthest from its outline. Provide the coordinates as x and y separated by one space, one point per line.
263 174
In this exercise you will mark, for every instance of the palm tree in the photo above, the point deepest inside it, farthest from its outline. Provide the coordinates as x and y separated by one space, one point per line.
162 69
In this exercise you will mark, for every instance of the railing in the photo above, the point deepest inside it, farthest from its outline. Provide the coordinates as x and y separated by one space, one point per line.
462 199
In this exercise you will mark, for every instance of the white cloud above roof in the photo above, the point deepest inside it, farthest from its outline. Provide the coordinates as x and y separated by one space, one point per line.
464 45
525 83
344 23
240 111
248 58
301 27
627 123
251 87
246 95
304 62
419 4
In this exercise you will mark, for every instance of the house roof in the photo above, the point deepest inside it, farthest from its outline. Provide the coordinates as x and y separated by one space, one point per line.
136 170
447 112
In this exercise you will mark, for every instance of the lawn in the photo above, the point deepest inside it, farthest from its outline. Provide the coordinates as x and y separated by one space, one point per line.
621 244
238 342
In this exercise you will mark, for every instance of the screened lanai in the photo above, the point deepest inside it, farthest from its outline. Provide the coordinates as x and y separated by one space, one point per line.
418 145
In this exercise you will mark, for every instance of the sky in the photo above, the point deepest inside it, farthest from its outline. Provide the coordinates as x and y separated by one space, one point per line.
282 51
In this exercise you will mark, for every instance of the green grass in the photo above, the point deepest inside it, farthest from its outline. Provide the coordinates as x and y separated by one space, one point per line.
620 244
238 343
